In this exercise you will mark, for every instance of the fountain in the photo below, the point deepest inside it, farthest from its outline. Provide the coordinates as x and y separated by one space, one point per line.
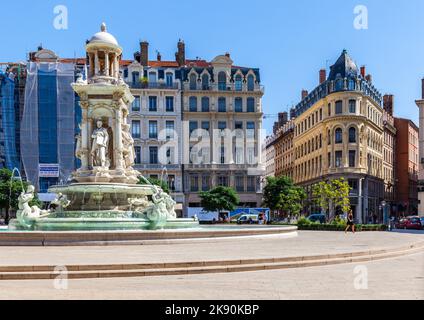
104 193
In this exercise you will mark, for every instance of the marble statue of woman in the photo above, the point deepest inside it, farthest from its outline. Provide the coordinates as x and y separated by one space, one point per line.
128 142
99 150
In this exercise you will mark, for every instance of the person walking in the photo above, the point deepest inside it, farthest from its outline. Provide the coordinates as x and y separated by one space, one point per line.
350 222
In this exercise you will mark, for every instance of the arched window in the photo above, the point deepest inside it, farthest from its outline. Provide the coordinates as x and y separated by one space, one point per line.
250 83
205 82
352 135
339 84
338 136
193 104
238 82
352 106
193 82
222 81
238 105
205 104
352 85
169 79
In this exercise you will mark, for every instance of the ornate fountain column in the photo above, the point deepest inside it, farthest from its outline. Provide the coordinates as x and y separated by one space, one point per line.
84 136
118 140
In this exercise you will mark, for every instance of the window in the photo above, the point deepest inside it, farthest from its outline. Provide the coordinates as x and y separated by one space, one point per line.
205 125
339 107
169 104
238 125
153 104
329 109
250 133
153 155
352 135
222 125
170 126
339 84
137 150
338 159
250 105
338 136
351 85
238 105
222 81
193 104
192 126
171 182
135 129
205 82
194 183
329 160
136 104
238 83
222 105
352 106
239 183
222 160
152 77
251 184
135 77
169 79
153 129
205 183
205 104
193 82
223 181
352 159
250 83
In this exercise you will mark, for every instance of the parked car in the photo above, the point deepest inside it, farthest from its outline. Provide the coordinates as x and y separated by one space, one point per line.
248 219
422 222
414 223
317 218
401 224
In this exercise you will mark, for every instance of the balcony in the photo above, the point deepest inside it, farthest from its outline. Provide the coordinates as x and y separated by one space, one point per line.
153 85
224 87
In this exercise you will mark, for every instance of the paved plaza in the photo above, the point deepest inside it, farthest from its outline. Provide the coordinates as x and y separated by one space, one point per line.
394 278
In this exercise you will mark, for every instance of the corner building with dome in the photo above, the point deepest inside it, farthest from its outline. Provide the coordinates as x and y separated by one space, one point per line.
339 133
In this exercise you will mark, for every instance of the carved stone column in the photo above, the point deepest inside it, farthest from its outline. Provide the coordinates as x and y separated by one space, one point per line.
84 136
118 140
107 65
96 63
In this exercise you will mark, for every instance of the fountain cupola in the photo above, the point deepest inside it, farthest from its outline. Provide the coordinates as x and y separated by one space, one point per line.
104 54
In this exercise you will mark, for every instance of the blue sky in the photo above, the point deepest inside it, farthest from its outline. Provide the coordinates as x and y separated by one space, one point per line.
289 40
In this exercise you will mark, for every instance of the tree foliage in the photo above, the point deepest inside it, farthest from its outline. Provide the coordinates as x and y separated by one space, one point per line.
332 194
219 199
280 193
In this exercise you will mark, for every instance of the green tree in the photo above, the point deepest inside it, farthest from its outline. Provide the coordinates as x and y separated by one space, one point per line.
281 194
332 194
219 199
157 182
10 190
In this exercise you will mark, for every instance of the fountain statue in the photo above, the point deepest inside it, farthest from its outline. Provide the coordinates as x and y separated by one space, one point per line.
104 193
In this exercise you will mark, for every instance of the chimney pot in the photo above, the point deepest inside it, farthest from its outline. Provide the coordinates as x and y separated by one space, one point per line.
180 55
322 76
144 53
363 71
304 94
388 103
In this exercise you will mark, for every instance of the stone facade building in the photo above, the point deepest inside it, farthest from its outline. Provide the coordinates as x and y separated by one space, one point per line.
155 118
339 133
420 104
222 109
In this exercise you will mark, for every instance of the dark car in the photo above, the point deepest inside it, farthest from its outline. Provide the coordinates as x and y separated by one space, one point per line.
422 222
317 218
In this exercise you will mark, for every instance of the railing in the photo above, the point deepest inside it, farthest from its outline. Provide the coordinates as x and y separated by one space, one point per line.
153 85
225 87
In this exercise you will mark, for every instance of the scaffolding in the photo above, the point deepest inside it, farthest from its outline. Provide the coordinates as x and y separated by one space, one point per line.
48 121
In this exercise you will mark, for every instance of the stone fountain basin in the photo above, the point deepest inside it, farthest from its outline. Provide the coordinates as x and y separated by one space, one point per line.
133 189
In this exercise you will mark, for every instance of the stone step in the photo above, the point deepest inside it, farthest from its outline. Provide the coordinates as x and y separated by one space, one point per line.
157 270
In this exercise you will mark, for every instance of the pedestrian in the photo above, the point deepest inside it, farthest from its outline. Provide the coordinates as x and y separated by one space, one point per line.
350 222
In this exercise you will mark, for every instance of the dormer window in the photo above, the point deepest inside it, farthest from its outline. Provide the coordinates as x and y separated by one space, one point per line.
238 82
205 82
193 82
222 81
250 83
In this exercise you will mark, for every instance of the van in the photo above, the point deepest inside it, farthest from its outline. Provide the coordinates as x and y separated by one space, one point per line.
248 219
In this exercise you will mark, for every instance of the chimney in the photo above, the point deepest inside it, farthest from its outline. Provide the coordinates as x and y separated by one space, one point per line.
292 113
369 78
180 55
322 76
304 94
422 88
159 56
388 103
144 53
137 56
363 71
